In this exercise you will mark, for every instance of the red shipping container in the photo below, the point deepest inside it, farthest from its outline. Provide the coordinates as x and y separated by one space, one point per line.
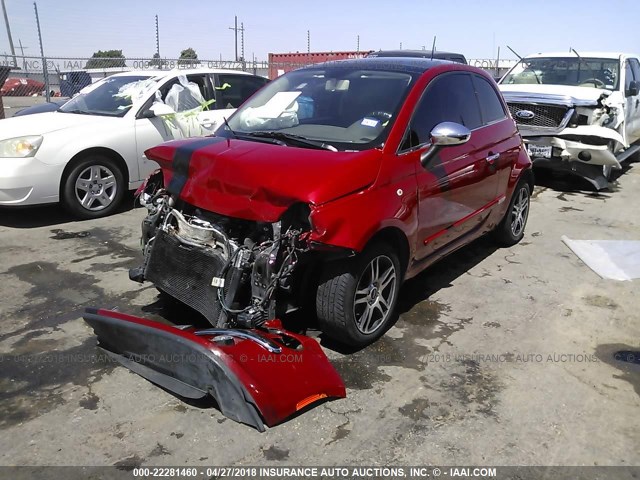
280 63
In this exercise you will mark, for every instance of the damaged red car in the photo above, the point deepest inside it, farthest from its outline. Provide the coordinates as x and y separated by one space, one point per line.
330 187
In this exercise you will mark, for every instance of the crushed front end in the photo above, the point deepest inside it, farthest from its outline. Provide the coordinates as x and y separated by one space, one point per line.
580 136
237 273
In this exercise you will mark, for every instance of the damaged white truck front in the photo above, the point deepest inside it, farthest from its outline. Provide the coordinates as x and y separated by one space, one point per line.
577 112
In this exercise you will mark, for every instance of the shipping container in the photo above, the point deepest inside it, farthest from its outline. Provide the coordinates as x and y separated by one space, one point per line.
280 63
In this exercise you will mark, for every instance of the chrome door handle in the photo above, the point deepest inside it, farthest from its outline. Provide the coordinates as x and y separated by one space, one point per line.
492 157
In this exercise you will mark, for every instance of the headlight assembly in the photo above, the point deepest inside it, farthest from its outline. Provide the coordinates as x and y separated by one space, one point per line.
20 147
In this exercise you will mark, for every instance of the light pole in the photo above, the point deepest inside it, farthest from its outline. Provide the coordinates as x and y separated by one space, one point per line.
44 61
6 22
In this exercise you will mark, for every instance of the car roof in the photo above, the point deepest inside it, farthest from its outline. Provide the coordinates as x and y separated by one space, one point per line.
414 53
591 54
399 64
177 71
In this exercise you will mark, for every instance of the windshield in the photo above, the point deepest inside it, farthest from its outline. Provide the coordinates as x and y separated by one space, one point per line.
338 107
573 71
112 96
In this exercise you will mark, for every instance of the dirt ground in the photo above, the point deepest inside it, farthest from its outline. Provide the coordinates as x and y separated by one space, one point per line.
499 356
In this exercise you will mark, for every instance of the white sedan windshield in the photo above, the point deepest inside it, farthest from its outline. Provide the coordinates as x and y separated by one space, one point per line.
112 96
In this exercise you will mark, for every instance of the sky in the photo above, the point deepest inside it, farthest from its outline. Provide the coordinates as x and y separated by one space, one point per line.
75 28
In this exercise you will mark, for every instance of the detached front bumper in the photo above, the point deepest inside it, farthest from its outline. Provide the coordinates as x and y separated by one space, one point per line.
257 377
28 181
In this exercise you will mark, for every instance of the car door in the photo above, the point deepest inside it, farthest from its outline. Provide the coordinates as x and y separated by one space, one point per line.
502 144
632 73
153 131
232 90
459 183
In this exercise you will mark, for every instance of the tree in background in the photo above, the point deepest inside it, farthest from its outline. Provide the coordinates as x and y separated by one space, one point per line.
106 59
188 56
157 61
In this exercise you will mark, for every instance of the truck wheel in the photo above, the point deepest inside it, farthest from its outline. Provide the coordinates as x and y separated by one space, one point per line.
93 188
511 229
356 298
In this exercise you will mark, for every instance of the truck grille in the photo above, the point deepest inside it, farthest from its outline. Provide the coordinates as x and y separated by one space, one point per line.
549 116
185 272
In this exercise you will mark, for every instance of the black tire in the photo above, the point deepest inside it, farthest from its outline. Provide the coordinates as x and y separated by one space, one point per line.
99 199
511 230
340 315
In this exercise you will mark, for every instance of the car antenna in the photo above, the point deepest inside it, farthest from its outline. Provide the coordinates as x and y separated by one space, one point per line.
433 48
514 52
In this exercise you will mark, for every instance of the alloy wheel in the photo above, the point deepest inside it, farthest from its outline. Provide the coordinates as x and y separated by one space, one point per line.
374 294
520 212
96 187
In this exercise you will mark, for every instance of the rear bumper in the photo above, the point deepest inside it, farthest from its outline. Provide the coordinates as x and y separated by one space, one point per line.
256 377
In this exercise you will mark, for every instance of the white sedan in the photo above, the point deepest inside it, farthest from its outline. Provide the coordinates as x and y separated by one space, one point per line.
91 150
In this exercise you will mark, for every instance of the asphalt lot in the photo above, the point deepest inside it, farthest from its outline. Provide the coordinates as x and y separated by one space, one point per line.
498 357
15 104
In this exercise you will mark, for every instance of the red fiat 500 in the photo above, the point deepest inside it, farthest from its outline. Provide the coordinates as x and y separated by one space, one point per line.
334 183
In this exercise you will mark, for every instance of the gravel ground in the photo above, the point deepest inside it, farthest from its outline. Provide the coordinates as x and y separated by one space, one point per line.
499 356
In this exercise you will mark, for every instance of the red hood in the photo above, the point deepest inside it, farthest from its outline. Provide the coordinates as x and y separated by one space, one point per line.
259 181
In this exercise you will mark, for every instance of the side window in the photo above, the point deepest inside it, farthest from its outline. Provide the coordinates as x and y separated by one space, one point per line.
628 75
448 98
490 105
635 67
182 99
233 90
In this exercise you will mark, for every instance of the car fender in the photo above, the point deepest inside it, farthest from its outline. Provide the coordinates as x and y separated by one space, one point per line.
352 221
59 147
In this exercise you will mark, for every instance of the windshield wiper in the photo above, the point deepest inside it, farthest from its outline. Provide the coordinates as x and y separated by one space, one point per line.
226 123
290 137
78 111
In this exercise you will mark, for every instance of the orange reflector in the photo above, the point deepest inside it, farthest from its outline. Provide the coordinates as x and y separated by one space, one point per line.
309 400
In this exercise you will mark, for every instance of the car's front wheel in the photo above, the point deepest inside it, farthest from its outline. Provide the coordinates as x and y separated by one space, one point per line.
356 298
94 187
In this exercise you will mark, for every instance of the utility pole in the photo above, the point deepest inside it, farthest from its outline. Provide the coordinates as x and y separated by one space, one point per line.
242 41
308 41
24 60
400 45
6 22
44 61
358 44
235 32
157 37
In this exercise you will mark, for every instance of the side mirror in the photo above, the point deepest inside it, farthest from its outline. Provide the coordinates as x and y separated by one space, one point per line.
634 88
445 134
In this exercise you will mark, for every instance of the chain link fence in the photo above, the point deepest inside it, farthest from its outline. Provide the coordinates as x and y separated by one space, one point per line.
29 80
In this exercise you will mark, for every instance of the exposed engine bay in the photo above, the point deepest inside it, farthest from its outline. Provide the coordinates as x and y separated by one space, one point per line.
230 270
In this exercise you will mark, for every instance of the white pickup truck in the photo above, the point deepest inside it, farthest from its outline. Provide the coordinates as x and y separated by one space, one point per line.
578 112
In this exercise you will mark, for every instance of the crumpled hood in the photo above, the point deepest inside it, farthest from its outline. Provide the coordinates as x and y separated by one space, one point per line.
259 181
47 122
562 93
